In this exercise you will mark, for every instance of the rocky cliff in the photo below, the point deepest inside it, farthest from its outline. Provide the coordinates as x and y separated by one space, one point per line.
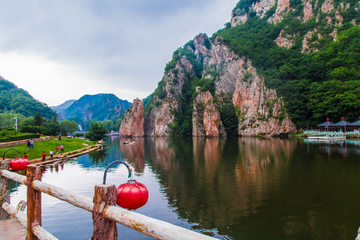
132 123
255 73
259 110
206 118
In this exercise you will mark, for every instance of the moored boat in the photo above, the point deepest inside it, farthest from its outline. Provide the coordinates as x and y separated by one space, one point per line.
328 136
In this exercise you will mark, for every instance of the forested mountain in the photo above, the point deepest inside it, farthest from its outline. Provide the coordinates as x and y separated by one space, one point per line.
19 101
276 64
98 107
309 51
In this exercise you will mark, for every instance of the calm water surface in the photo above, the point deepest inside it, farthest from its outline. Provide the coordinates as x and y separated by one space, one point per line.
236 188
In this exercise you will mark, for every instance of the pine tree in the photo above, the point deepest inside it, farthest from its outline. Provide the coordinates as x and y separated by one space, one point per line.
38 120
55 119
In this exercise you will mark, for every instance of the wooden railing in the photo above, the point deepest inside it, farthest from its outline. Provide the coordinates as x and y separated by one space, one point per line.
104 212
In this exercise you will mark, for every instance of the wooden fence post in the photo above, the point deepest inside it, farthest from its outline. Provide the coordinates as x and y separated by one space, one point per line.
4 190
105 195
33 201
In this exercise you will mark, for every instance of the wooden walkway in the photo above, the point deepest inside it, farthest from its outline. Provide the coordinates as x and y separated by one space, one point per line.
11 229
61 158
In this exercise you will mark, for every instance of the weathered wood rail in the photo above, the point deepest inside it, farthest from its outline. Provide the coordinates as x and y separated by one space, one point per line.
105 213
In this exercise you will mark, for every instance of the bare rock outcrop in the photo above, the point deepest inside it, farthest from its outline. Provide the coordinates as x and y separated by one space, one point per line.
206 118
308 10
132 124
284 40
259 110
237 78
238 16
283 7
158 120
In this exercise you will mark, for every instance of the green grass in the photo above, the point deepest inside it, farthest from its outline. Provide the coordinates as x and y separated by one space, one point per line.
70 144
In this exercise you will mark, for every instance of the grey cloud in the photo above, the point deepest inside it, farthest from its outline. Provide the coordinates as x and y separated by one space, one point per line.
126 42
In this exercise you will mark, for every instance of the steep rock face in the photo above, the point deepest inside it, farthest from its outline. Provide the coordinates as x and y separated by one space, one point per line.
250 96
308 11
206 118
283 7
231 77
260 7
132 124
157 122
260 111
225 62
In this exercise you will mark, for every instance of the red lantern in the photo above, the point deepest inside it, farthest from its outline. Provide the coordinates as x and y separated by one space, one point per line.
132 195
327 119
342 118
19 164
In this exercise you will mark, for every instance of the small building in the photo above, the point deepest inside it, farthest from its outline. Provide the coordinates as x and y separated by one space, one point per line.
356 125
326 126
342 125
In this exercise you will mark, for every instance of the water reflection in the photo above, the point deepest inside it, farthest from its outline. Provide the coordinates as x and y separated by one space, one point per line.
133 151
234 188
160 151
238 185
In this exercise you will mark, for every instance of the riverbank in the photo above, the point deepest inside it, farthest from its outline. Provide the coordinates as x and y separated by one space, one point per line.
66 156
69 145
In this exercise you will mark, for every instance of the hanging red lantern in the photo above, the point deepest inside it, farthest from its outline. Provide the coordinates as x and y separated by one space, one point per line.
132 195
342 118
327 119
19 164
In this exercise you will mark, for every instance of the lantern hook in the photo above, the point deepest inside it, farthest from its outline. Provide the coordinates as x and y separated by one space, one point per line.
118 161
10 149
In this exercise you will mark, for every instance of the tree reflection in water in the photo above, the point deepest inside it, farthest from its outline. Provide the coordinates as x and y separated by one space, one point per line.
98 157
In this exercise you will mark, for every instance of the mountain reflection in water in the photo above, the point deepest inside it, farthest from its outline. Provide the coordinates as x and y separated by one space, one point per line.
234 188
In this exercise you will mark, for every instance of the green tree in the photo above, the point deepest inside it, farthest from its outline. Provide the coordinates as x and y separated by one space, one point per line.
68 127
117 124
55 119
38 120
7 119
52 128
96 131
108 125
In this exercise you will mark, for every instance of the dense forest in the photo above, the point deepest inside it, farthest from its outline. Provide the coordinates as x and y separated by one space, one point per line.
19 101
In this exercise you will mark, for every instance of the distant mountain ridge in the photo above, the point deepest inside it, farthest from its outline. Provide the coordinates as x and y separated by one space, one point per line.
17 100
62 107
94 107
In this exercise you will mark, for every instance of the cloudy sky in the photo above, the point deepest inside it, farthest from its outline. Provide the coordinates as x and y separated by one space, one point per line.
61 50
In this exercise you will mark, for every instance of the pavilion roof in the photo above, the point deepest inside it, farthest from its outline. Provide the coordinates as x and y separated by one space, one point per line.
357 123
327 123
342 123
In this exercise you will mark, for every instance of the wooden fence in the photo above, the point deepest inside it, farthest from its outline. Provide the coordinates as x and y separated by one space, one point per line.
104 212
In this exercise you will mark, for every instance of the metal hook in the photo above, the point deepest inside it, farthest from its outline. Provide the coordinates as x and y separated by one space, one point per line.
10 149
118 161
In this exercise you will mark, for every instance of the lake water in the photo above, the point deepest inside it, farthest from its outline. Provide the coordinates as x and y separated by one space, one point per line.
235 188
